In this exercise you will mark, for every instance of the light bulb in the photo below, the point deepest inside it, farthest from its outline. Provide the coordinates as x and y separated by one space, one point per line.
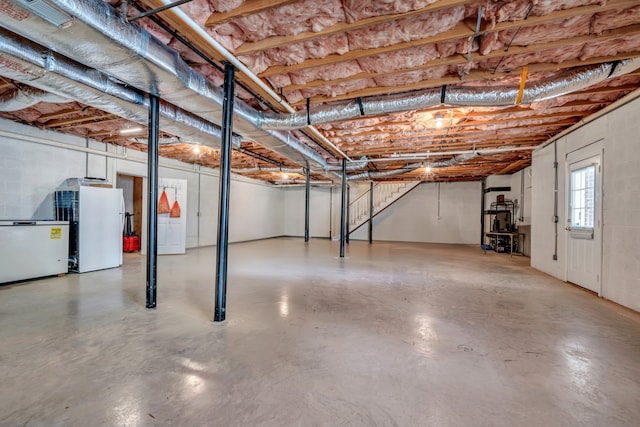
130 130
196 149
427 169
285 176
439 119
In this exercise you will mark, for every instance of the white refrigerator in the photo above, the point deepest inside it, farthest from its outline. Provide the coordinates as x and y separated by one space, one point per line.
96 216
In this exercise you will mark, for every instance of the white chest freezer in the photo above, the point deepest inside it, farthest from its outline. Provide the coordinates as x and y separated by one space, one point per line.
30 249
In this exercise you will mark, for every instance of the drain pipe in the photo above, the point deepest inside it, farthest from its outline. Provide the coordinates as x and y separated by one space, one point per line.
521 196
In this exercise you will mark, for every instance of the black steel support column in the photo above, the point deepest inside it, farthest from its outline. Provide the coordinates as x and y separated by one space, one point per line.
223 208
482 209
347 214
343 207
307 189
371 212
152 199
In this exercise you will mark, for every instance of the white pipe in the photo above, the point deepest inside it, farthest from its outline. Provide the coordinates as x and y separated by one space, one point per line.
186 19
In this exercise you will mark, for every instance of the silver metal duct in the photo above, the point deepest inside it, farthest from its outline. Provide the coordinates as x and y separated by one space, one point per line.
453 161
355 165
351 166
340 111
453 96
38 67
383 174
256 170
99 39
19 99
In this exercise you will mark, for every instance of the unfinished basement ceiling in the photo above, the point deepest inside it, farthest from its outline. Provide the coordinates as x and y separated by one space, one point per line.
321 53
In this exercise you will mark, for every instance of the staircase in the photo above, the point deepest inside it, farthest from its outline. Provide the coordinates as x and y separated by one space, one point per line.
384 195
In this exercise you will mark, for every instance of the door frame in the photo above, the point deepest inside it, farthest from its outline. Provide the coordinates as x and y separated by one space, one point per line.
586 152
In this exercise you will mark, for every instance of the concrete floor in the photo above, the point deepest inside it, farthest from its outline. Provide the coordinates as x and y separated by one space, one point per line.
396 334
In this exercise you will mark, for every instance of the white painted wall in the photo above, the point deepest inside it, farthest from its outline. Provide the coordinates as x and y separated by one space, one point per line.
621 204
414 218
31 171
321 220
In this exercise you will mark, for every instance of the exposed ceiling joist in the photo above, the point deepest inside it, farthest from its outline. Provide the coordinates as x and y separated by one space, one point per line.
247 8
469 77
462 59
80 120
461 30
278 41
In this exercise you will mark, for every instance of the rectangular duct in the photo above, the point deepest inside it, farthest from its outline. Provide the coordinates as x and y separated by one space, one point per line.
46 11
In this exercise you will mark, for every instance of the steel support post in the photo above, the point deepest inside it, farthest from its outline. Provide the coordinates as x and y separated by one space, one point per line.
347 213
225 184
307 190
343 207
371 212
152 199
482 209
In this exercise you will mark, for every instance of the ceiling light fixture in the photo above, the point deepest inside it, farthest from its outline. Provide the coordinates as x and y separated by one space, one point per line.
130 131
439 120
427 169
285 176
47 11
196 149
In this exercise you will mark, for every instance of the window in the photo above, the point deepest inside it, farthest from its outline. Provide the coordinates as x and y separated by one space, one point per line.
583 183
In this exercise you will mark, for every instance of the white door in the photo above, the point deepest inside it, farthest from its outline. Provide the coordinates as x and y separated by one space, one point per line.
172 216
100 222
584 219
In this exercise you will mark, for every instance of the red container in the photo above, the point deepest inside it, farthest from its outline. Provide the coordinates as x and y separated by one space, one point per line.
130 244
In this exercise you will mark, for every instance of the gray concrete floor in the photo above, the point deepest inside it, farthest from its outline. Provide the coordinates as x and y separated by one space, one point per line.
395 334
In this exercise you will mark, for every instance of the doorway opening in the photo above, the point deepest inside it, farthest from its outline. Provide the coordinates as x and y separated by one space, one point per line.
133 193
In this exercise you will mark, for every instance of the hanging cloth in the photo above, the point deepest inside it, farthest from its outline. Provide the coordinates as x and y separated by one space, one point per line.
163 204
175 210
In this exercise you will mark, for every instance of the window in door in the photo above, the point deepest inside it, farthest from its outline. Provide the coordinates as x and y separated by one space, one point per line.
583 183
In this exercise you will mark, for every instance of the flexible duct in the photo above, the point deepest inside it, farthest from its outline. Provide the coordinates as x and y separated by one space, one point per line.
99 39
497 96
383 174
37 66
351 166
453 161
355 165
257 170
19 99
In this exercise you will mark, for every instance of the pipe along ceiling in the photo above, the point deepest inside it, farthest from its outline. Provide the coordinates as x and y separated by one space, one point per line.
108 46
